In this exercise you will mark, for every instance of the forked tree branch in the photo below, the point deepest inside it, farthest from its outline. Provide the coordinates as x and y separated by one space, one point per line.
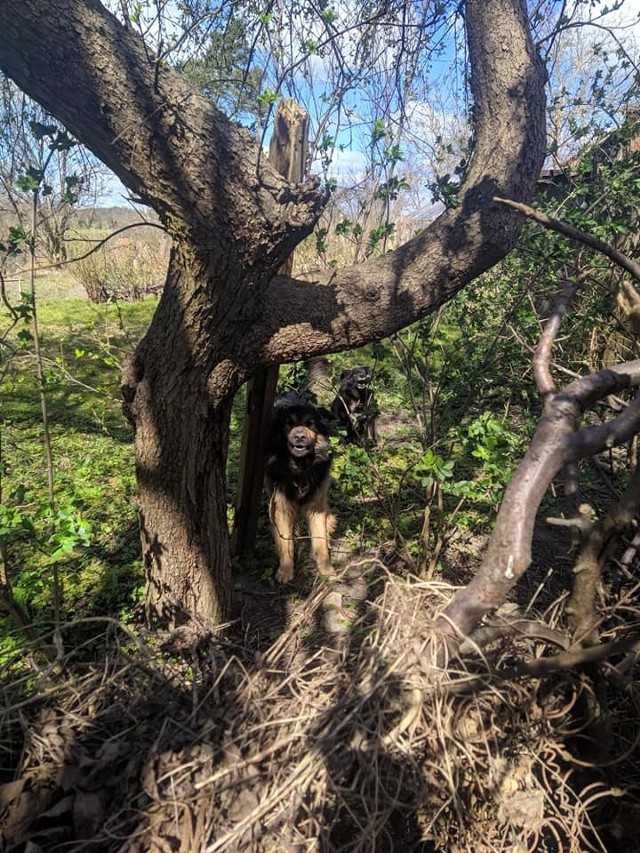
557 441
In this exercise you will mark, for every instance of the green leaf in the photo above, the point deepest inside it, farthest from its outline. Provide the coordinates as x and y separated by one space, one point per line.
27 183
40 130
378 131
268 96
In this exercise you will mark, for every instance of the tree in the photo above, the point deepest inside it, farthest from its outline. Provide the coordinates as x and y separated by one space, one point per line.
220 72
225 313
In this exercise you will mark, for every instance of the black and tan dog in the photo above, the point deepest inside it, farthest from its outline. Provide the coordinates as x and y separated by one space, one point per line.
355 407
297 476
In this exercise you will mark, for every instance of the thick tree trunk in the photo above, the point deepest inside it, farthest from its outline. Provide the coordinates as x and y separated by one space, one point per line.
180 405
183 520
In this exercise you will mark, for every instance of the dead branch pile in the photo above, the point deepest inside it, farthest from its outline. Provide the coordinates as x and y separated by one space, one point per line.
358 743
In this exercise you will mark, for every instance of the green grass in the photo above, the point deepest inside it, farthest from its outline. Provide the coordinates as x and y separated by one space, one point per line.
83 346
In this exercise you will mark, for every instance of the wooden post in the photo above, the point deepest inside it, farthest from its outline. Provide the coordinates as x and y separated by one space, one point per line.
287 152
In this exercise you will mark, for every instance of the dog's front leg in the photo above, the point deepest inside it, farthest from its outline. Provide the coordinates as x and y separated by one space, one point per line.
321 525
283 520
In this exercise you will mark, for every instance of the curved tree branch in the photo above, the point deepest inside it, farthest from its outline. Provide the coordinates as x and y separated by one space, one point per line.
557 441
354 305
164 140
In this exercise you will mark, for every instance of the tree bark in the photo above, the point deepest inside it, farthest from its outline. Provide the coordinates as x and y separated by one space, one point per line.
181 423
225 313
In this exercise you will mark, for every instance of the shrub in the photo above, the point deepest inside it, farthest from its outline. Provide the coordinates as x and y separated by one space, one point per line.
127 271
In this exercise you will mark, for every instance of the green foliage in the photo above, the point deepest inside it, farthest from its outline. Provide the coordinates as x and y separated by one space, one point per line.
44 173
391 189
56 532
445 189
600 194
224 71
378 235
269 97
32 180
15 242
433 469
15 524
353 471
321 240
89 535
378 131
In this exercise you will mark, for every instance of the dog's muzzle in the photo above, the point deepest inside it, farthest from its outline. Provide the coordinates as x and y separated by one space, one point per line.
362 380
301 441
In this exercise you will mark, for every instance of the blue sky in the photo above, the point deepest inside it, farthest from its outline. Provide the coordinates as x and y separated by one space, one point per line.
439 112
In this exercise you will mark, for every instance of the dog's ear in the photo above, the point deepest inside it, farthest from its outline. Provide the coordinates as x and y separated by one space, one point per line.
344 374
275 432
324 418
321 449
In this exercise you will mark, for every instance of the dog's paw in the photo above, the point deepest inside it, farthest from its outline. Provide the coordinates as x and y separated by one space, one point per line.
326 570
284 574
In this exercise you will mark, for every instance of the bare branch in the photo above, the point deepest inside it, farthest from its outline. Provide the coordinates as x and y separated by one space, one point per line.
580 608
574 233
572 658
542 356
589 389
592 440
556 442
99 244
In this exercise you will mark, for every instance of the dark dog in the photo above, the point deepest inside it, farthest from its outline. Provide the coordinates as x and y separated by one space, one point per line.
297 475
355 406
